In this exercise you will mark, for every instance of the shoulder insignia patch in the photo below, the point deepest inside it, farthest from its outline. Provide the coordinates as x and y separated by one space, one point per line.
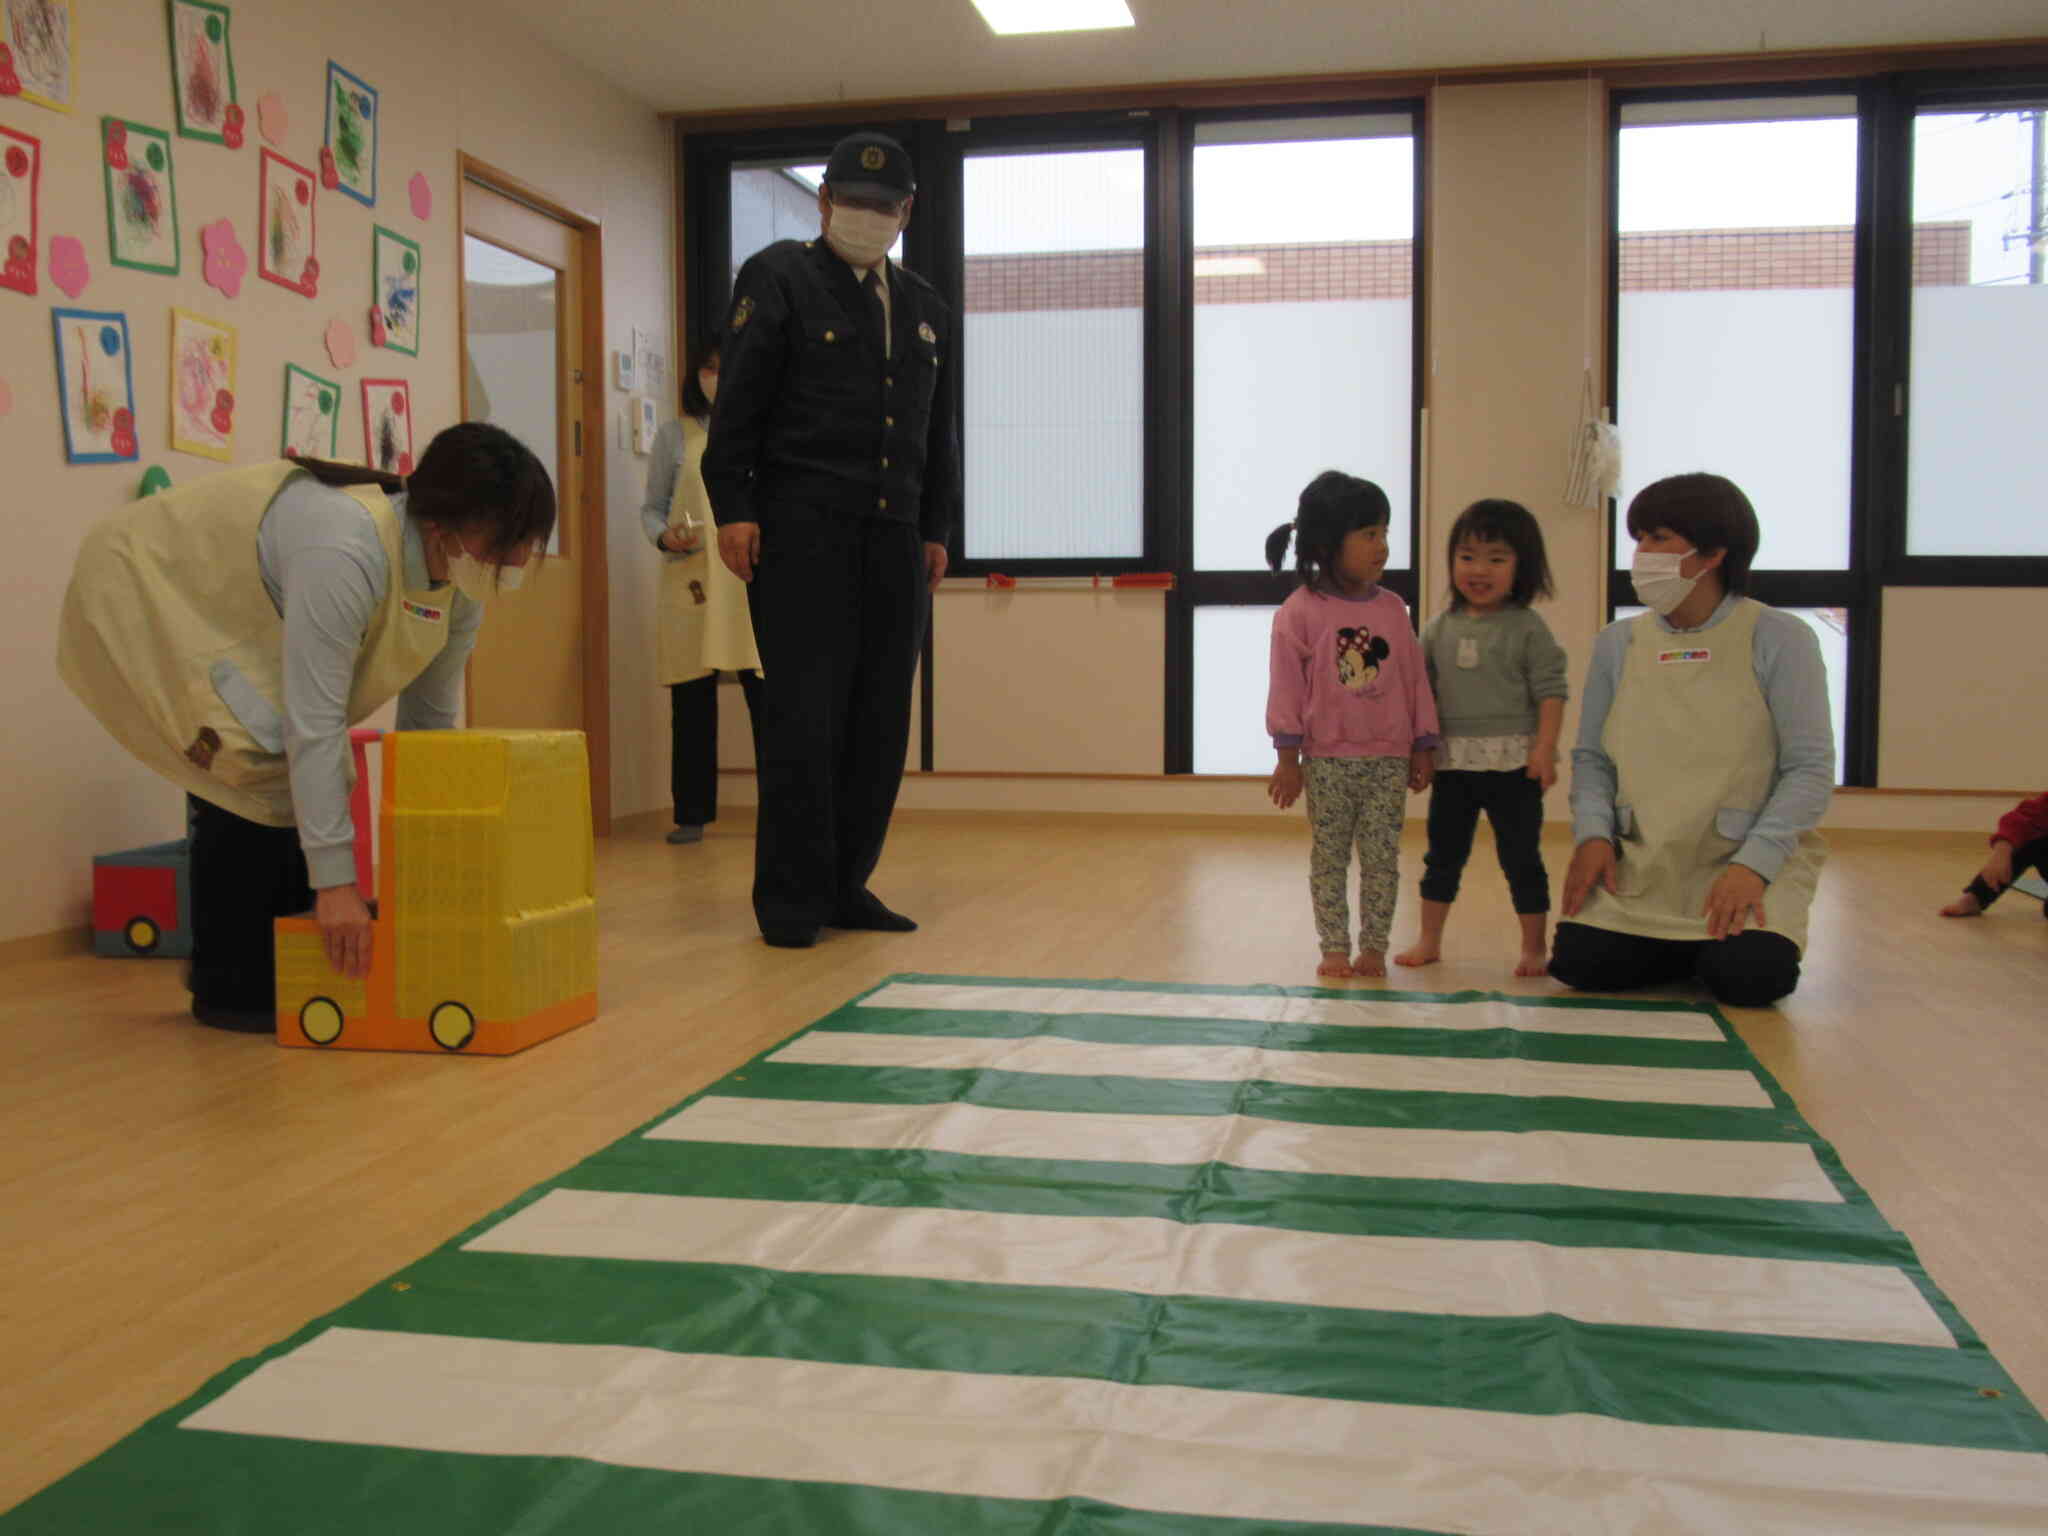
925 332
872 158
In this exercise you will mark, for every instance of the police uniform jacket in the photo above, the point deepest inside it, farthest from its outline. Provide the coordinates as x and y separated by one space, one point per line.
813 417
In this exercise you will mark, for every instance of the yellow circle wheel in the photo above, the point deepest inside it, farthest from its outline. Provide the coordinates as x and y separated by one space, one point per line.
321 1020
142 935
452 1026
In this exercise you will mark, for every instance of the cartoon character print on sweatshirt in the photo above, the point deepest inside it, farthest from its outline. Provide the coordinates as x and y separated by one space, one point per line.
1359 654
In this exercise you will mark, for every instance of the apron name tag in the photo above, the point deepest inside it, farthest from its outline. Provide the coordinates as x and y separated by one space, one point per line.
1664 658
421 611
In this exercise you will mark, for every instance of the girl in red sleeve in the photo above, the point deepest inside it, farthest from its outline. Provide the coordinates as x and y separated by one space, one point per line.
2019 844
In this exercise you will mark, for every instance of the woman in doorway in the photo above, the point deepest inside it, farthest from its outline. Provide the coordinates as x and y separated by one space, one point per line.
229 631
703 626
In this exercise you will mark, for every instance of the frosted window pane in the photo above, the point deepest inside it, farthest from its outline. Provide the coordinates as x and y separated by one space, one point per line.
1053 430
1303 351
1231 650
1735 326
1974 482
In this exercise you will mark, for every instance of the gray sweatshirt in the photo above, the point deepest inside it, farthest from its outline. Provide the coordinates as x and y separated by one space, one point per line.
1491 670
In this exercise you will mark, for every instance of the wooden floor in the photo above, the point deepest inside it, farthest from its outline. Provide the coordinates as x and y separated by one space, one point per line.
173 1198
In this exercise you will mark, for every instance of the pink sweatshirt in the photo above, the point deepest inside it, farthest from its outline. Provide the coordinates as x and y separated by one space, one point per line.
1348 678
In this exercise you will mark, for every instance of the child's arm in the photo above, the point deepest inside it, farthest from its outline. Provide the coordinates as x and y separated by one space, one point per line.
1543 750
1286 707
1544 665
1422 717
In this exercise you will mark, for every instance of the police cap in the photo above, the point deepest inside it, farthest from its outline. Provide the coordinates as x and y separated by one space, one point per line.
870 165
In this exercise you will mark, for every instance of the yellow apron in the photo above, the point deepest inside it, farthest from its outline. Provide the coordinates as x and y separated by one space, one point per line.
1695 755
168 637
701 609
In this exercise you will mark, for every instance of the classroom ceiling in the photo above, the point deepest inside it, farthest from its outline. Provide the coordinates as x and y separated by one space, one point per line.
719 55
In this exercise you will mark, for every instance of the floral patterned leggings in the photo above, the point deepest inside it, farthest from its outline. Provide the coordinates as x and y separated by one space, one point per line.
1355 801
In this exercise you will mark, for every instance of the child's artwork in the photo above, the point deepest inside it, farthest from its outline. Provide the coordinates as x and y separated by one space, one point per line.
395 283
348 160
41 51
387 425
142 199
95 385
286 244
21 176
312 414
203 72
202 386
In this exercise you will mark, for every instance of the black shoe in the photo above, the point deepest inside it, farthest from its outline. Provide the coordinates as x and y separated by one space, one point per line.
791 935
686 834
241 1021
865 912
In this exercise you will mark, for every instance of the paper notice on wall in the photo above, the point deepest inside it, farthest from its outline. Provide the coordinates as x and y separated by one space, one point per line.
651 359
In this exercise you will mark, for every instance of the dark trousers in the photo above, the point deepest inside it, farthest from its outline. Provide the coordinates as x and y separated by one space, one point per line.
1749 970
839 609
242 875
1513 803
2027 856
693 743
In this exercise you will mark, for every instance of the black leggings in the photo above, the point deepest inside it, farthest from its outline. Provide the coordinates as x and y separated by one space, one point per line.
242 876
1747 971
693 744
1513 802
2027 856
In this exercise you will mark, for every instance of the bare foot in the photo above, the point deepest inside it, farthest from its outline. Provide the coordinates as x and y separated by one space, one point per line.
1370 962
1964 905
1335 964
1421 952
1534 962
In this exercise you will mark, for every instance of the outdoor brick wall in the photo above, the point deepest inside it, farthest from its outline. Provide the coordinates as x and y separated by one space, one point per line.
1666 261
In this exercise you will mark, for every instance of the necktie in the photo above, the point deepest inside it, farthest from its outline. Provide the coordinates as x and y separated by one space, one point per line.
872 287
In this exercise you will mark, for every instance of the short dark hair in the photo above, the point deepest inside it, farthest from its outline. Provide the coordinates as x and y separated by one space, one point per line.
1331 508
703 350
1496 520
1707 511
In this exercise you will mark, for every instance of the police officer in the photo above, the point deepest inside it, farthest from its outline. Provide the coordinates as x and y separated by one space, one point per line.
834 472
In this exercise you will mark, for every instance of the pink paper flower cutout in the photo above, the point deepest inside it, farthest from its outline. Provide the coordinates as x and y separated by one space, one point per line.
376 326
422 195
68 267
341 343
272 118
226 261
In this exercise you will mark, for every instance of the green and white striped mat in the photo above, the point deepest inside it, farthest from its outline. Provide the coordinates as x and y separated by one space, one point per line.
1112 1259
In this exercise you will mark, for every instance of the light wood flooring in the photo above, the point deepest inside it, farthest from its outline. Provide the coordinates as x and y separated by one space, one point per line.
174 1199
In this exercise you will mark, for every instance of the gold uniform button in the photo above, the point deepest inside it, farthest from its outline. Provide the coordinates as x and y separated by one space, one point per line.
882 501
829 336
885 463
888 421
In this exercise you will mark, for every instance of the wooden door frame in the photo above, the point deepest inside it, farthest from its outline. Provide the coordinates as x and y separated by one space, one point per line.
594 556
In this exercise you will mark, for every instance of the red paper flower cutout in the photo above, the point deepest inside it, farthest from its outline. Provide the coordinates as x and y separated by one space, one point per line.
124 433
405 463
330 178
223 400
231 136
124 420
398 405
376 326
223 420
10 82
311 274
303 191
117 146
233 117
17 160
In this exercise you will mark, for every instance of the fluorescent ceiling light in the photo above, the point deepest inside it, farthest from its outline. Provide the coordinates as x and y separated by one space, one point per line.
1006 17
1229 266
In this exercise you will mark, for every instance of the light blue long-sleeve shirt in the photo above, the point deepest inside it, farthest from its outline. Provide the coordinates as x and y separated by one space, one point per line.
1794 680
327 575
664 463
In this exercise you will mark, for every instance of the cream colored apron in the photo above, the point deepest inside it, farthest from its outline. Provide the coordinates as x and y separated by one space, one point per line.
168 637
1695 754
701 610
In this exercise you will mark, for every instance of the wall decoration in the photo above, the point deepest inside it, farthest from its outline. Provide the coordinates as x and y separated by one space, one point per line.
312 414
395 284
142 197
203 71
387 425
272 117
41 39
286 255
202 386
69 269
422 194
341 343
226 261
348 157
95 385
21 183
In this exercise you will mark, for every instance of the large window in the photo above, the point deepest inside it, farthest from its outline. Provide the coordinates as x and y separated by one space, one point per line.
1979 317
1053 426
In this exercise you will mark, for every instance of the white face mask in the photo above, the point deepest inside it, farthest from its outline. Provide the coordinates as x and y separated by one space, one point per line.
480 581
860 236
1658 585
